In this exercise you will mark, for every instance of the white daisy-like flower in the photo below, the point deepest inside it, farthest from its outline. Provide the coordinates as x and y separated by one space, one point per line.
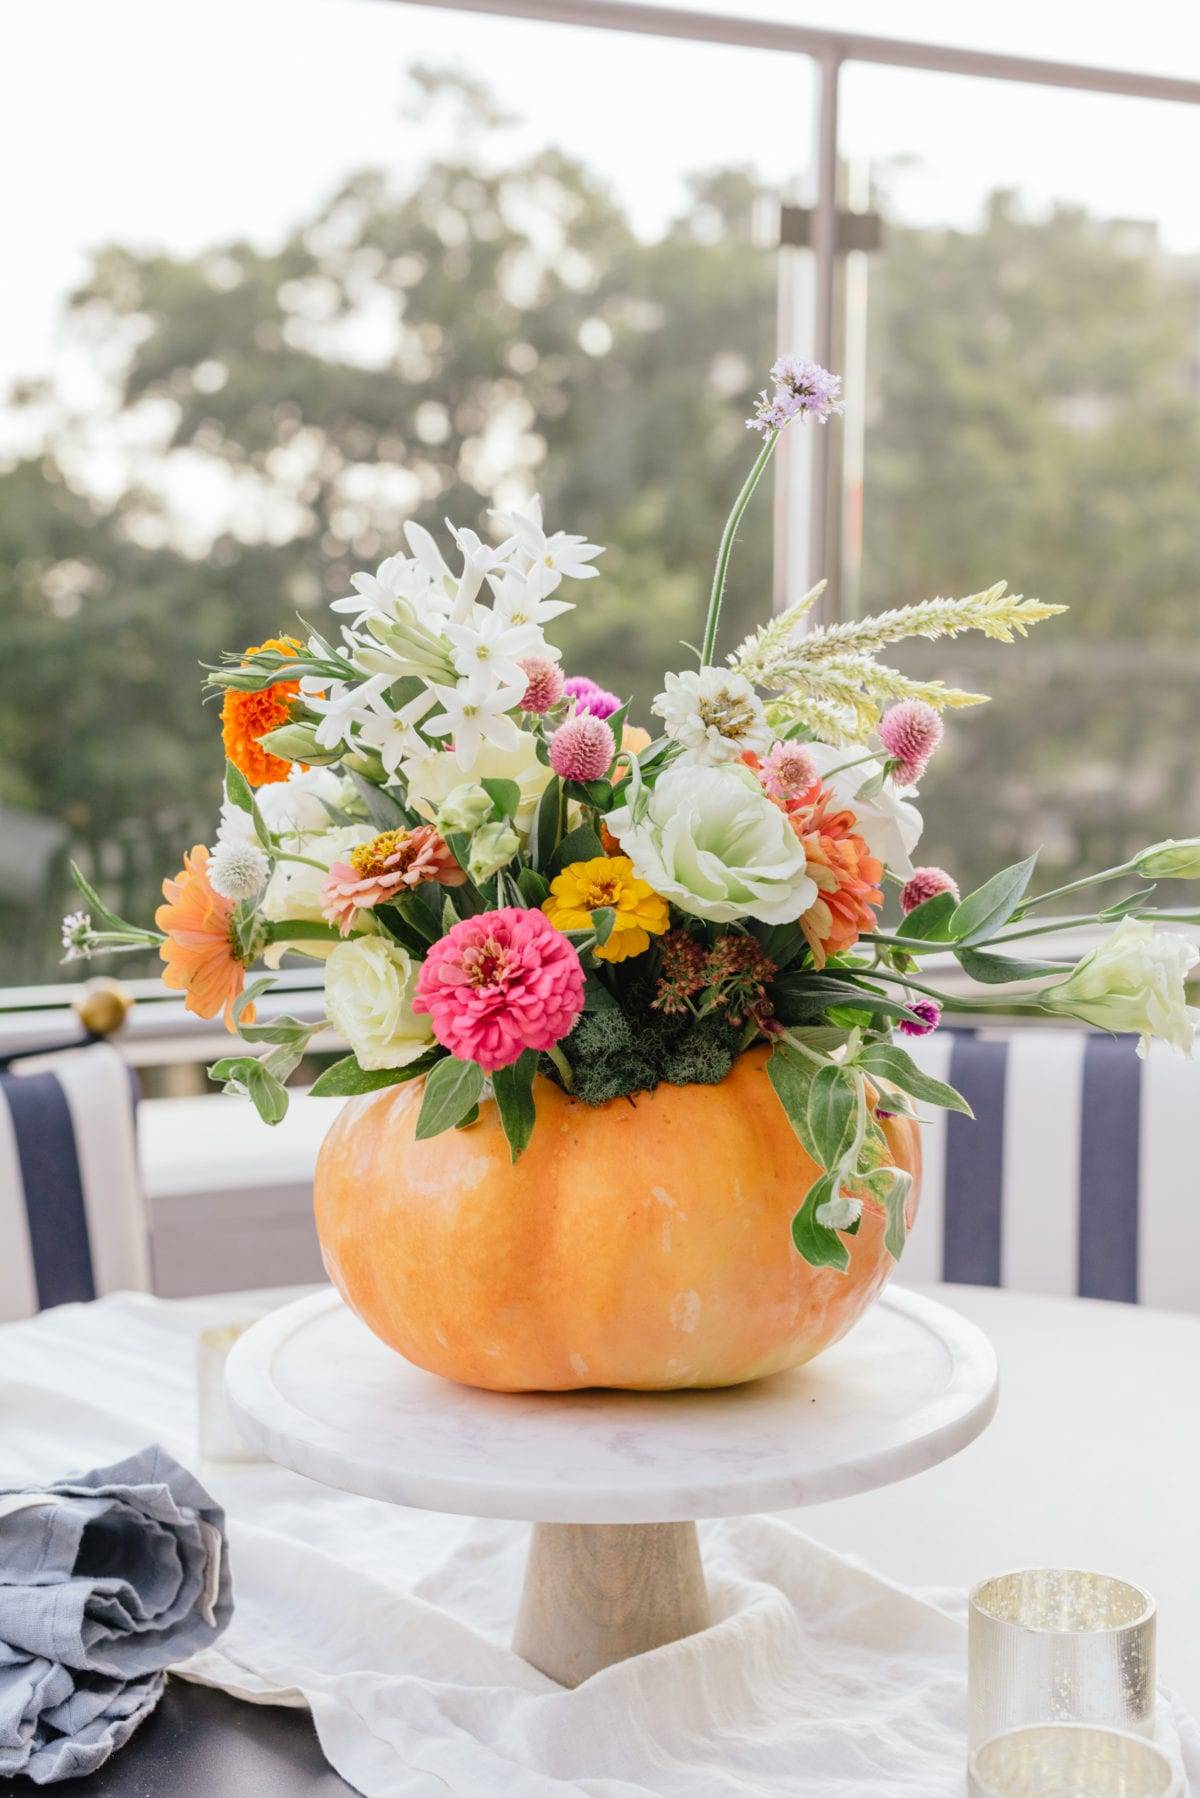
473 718
713 715
401 580
394 733
238 870
479 560
344 704
518 600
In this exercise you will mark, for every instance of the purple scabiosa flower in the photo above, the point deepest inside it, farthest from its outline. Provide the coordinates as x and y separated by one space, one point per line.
588 697
800 387
930 1015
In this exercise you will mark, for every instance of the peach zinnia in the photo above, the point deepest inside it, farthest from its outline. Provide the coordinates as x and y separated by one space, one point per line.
383 868
245 717
201 951
847 877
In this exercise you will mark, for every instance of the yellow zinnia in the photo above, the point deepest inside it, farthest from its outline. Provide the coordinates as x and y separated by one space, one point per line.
609 880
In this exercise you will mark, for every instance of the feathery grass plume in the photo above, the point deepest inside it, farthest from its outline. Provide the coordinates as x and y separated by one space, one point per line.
828 679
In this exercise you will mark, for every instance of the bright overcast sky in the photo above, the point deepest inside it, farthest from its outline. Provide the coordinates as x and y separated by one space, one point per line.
180 123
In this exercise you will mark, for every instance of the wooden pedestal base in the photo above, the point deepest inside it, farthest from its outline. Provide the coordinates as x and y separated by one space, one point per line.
596 1593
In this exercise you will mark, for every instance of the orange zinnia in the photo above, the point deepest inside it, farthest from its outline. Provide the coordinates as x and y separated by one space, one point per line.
245 717
201 951
847 877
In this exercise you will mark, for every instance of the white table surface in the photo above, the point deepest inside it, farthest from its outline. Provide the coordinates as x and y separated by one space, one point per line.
1092 1460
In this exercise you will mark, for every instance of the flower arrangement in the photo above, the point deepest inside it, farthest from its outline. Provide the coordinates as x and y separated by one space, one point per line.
504 875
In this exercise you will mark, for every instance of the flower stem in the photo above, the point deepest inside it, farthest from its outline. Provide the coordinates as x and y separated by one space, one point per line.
563 1065
726 548
1073 886
285 855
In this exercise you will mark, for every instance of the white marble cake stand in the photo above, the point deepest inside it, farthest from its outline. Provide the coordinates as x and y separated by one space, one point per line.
612 1481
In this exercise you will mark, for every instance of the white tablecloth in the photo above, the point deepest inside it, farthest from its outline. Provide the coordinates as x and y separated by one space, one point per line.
819 1678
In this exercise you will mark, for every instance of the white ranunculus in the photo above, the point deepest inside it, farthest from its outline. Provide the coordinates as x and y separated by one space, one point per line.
432 778
293 807
713 714
888 822
294 889
369 987
710 841
1134 981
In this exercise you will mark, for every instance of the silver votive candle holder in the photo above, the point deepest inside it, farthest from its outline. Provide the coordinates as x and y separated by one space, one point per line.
1059 1645
1071 1760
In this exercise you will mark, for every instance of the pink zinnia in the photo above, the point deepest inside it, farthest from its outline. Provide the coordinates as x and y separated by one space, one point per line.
589 697
545 684
788 771
910 732
500 983
378 870
583 748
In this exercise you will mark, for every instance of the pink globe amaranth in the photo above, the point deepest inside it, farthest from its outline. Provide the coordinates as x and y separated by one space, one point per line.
589 697
500 983
927 883
910 732
788 771
583 748
545 687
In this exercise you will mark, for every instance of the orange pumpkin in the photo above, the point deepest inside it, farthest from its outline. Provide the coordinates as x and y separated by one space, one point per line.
642 1244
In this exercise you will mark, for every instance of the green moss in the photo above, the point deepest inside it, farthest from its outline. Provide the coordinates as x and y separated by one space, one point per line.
613 1056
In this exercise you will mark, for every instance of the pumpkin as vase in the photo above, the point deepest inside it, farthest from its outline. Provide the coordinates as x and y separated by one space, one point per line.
642 1244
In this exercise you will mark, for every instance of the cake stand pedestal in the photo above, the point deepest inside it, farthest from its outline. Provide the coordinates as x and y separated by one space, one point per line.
613 1482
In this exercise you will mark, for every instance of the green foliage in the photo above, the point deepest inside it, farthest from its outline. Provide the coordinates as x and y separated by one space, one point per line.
346 1077
512 1089
452 1087
613 1057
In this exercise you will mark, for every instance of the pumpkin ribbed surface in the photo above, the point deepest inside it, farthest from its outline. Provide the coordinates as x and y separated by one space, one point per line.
642 1244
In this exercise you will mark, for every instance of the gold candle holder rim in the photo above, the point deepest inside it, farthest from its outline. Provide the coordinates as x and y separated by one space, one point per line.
1148 1612
982 1785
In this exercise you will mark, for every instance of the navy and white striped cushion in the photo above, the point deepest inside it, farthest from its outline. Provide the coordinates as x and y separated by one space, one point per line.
72 1219
1077 1175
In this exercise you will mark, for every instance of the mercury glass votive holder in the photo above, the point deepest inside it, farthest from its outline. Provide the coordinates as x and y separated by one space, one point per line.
1071 1760
1058 1645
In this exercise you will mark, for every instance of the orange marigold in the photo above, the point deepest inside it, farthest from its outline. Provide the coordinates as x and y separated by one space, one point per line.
847 877
245 717
201 951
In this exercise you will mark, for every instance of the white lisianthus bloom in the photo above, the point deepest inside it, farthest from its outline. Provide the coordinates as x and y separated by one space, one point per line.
713 715
294 807
294 889
888 822
710 841
431 778
369 988
1134 981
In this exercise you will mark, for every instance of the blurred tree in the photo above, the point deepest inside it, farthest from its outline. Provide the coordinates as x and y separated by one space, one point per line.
454 338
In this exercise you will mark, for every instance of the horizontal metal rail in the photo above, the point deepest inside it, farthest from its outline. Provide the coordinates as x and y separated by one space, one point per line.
821 42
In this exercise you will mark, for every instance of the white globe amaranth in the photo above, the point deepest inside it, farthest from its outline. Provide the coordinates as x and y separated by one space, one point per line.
1135 981
238 870
710 841
713 714
370 983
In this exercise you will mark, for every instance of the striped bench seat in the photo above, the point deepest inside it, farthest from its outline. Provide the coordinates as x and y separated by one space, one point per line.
1078 1174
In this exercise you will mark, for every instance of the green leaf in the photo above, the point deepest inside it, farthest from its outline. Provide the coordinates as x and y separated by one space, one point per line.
782 943
97 906
268 1094
897 1065
930 921
451 1088
596 793
1131 902
383 808
995 970
820 1246
505 796
981 913
469 1118
417 915
596 996
892 1186
792 1075
832 1108
279 1030
802 998
603 919
547 823
346 1077
579 845
824 1038
513 1090
535 888
232 1069
237 789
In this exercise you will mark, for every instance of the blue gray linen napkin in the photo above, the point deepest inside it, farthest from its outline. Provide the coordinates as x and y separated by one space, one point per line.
106 1579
